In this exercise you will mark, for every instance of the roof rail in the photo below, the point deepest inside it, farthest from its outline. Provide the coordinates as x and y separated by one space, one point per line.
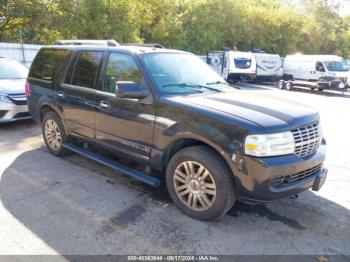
154 45
110 42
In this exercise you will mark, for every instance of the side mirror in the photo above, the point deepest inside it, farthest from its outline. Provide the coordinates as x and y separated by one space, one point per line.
129 89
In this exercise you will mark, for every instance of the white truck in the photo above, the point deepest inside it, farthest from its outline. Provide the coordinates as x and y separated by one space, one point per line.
245 66
315 72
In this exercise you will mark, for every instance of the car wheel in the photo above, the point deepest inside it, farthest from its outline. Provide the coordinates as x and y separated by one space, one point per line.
281 84
289 86
200 183
54 134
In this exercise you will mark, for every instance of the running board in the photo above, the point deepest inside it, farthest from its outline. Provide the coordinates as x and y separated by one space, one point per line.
150 180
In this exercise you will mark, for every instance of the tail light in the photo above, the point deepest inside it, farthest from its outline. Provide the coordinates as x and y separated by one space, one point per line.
26 89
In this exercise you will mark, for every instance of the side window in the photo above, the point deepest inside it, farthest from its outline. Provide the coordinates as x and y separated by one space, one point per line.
86 69
120 67
47 62
69 75
320 67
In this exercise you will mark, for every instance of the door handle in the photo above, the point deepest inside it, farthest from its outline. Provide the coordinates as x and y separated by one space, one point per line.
104 104
60 94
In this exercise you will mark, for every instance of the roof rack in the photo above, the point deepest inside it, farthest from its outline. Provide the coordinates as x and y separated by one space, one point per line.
110 42
154 45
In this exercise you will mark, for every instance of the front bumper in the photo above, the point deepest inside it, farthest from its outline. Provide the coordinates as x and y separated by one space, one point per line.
11 112
272 178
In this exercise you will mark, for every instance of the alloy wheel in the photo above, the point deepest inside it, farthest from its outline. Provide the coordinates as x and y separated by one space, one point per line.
194 186
53 134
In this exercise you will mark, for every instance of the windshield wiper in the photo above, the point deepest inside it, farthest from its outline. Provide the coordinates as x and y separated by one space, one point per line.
224 83
192 85
218 82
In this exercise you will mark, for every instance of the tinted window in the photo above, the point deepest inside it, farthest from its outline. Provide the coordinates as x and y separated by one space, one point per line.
47 62
120 67
86 68
69 75
12 70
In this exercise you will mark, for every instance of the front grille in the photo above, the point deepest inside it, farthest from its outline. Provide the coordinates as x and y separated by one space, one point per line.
306 139
18 99
289 180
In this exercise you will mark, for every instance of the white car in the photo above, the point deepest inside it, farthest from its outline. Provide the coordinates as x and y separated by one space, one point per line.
13 100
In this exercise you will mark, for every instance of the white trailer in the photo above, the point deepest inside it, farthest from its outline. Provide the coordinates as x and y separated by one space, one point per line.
245 66
268 67
315 71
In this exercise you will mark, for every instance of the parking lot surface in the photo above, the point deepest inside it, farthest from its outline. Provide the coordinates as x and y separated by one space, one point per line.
71 205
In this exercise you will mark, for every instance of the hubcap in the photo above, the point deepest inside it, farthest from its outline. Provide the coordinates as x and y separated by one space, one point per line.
52 134
194 186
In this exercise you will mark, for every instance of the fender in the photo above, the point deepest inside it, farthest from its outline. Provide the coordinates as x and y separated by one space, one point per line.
46 100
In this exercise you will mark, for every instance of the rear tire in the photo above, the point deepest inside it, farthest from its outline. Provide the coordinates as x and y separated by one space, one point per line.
200 183
54 134
289 86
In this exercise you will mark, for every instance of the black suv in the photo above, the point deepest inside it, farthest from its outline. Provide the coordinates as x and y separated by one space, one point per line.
170 111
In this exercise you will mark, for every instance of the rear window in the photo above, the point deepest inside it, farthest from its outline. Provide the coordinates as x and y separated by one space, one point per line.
12 70
85 70
46 63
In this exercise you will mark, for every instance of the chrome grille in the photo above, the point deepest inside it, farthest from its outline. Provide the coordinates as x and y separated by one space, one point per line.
288 180
307 139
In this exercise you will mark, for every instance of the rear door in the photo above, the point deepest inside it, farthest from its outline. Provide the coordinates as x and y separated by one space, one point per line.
124 124
77 92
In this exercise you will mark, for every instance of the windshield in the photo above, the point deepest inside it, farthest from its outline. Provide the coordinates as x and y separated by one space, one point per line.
338 66
176 73
12 70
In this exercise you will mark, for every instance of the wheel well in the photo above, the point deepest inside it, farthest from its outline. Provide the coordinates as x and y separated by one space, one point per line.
44 110
183 143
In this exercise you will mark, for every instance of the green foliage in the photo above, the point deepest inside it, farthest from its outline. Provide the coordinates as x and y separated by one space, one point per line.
193 25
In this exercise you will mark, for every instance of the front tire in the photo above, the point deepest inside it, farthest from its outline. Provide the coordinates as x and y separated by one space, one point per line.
54 134
200 183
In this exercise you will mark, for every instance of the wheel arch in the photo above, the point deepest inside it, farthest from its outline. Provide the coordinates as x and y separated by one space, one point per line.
183 142
45 107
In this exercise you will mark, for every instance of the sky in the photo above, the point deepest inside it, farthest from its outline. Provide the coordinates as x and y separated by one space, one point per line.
343 10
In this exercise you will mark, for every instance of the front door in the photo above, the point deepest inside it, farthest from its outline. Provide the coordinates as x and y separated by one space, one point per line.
123 124
77 93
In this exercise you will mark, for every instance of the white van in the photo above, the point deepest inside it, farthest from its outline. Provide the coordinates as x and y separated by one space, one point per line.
317 71
246 66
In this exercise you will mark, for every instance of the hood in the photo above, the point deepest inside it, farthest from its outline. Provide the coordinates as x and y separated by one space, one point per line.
12 86
265 110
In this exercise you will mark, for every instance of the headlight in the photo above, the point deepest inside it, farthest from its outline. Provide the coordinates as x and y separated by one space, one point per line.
270 144
5 99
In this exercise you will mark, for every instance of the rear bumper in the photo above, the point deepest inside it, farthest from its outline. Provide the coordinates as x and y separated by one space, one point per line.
10 112
259 183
